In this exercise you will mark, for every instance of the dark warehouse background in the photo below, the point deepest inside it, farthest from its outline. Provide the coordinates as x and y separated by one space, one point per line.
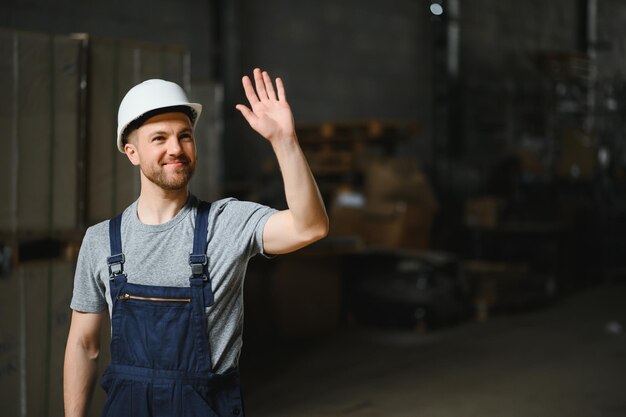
471 156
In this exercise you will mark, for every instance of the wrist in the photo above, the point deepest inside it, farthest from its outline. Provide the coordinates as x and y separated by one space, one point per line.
284 140
286 146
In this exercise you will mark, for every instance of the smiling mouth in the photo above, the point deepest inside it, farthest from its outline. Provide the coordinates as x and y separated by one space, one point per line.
177 163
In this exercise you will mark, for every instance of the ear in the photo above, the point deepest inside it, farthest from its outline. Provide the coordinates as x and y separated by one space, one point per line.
132 153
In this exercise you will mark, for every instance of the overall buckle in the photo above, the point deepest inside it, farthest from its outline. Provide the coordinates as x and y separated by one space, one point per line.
197 263
116 265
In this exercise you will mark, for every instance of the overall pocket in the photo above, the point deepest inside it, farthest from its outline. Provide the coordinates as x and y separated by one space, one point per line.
118 402
196 402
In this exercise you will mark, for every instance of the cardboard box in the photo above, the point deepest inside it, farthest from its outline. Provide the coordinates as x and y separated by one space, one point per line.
397 210
398 225
385 224
578 155
395 179
346 221
483 212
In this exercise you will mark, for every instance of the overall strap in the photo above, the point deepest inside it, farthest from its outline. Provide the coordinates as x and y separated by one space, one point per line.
198 260
199 282
116 260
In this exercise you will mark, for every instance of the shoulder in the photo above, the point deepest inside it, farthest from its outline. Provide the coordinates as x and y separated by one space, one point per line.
228 204
96 233
95 243
232 208
238 219
97 236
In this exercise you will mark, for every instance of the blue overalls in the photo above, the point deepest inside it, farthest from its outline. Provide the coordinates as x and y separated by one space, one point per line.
160 359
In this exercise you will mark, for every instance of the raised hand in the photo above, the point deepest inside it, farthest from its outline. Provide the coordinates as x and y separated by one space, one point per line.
270 114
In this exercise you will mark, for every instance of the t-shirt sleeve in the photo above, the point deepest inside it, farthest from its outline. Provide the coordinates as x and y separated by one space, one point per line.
89 292
258 234
246 222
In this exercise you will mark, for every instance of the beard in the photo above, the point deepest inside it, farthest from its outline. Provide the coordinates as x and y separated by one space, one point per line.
170 179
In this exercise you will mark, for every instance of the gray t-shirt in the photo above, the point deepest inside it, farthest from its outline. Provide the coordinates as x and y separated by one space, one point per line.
159 255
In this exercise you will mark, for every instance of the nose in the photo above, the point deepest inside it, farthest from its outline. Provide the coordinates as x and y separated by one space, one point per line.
173 146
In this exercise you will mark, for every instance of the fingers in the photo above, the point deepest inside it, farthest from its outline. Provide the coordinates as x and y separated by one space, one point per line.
268 86
247 113
264 88
260 84
282 96
249 90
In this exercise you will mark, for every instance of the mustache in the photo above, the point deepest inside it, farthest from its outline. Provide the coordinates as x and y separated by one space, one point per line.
182 160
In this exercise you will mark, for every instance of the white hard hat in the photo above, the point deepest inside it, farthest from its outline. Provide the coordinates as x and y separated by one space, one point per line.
148 99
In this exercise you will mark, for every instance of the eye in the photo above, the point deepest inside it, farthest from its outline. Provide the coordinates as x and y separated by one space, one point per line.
158 138
185 136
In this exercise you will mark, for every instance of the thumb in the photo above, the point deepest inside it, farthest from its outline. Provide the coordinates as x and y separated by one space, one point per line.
247 113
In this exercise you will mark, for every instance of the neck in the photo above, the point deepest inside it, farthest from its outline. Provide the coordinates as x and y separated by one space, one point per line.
158 206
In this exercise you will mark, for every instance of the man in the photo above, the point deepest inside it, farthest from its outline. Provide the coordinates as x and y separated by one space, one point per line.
170 268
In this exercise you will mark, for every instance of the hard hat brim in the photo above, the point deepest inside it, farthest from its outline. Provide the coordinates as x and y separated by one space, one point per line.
196 109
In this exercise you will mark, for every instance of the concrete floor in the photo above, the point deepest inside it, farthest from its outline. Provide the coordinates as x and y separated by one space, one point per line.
563 360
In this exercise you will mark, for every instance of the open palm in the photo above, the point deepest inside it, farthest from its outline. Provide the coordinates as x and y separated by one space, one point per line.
270 114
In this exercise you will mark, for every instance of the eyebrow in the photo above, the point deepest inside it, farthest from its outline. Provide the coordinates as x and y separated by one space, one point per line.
163 132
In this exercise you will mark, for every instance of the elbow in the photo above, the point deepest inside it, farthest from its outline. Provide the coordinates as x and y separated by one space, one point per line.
93 353
318 232
325 229
90 348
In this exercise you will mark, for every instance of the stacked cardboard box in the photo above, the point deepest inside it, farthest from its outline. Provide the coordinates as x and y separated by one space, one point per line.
483 212
397 208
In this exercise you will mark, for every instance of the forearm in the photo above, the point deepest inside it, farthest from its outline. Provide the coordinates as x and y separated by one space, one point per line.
301 191
79 375
305 221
